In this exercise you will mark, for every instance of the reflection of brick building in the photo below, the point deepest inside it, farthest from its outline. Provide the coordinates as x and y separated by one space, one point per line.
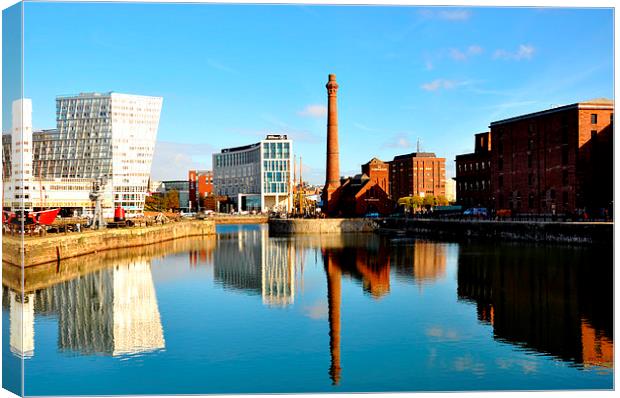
417 173
473 174
554 160
564 309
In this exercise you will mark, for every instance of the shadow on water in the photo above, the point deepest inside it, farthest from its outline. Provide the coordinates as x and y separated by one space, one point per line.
553 300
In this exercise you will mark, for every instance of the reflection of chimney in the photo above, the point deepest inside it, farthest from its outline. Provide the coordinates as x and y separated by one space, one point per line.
333 300
332 176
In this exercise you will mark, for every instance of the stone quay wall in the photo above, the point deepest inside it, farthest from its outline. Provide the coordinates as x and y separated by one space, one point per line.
56 247
320 226
577 232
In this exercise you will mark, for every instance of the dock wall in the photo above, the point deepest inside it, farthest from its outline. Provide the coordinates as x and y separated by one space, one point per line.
578 232
320 226
40 250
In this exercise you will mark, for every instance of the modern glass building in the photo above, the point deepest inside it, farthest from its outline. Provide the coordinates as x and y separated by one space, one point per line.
97 135
258 176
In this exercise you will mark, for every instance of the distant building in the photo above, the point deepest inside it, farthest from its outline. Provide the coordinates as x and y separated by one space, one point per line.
200 185
473 174
378 172
417 173
451 190
558 160
182 187
360 195
257 176
108 135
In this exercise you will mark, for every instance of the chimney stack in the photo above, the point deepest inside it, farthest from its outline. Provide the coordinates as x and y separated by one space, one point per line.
332 176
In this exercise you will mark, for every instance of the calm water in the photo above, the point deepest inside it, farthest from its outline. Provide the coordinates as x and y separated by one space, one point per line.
244 312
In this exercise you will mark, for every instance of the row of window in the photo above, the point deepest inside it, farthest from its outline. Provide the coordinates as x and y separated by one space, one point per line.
482 165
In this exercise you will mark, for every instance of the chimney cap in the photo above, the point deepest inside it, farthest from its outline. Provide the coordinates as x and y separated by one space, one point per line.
332 77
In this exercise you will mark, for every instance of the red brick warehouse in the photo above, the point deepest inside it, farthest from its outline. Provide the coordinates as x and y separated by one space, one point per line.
554 161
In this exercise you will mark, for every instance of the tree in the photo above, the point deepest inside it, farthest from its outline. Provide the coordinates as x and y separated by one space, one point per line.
429 201
171 200
442 201
153 203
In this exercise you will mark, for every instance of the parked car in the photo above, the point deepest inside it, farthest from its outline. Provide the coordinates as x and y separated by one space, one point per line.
480 212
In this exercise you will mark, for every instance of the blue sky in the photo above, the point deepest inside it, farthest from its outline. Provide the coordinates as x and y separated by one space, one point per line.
229 74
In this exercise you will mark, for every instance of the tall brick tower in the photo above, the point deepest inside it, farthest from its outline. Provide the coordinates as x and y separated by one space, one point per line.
332 172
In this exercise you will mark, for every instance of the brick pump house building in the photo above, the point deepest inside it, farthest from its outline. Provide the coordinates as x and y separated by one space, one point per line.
557 161
473 174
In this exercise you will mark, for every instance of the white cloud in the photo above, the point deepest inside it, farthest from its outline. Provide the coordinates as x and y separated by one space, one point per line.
313 111
172 160
447 14
525 51
454 15
400 141
462 55
439 84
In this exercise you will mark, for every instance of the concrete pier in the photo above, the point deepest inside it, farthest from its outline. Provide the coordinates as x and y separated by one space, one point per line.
320 226
55 247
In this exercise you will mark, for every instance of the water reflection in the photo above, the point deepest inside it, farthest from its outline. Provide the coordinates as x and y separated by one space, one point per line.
556 301
249 261
21 320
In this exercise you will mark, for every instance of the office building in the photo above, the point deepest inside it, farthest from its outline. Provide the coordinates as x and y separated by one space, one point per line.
257 176
109 136
200 186
556 161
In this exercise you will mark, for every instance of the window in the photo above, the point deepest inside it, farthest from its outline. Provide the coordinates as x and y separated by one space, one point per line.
564 135
500 164
530 179
593 135
500 181
564 177
565 155
594 118
565 198
529 160
530 201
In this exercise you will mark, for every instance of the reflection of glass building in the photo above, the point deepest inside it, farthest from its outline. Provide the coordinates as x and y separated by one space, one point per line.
278 272
238 259
248 260
113 311
258 176
21 319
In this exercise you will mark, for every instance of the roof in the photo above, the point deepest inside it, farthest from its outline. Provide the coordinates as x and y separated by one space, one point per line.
415 155
596 103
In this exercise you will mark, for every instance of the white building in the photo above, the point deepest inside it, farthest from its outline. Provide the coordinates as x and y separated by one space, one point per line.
110 136
258 176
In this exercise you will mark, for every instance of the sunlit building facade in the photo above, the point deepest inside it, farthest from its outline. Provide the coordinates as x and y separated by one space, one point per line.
258 176
108 136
